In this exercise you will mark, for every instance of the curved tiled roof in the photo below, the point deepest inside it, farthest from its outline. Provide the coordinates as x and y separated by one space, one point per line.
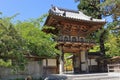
72 14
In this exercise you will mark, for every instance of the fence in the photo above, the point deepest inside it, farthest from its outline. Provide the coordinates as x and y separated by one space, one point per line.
114 70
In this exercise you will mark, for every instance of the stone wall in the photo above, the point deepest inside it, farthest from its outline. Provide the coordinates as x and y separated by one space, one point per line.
33 68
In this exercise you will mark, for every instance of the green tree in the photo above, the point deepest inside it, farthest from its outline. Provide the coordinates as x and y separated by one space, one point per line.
113 40
92 8
111 7
11 45
21 39
37 42
113 45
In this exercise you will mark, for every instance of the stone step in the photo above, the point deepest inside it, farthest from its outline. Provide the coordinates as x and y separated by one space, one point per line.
71 76
97 76
87 75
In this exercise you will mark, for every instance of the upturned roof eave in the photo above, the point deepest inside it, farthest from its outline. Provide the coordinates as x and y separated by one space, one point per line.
75 19
75 15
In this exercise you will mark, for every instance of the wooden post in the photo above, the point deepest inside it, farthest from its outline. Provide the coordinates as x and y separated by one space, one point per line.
61 65
90 66
57 61
46 66
108 68
76 64
80 60
86 61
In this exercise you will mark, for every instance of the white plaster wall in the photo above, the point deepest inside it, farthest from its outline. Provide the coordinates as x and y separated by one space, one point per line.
51 62
93 62
44 62
83 65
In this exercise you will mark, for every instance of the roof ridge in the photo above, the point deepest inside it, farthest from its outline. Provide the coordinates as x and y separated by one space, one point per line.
68 10
65 9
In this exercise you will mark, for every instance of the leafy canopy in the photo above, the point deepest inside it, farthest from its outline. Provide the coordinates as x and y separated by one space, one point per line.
21 38
37 42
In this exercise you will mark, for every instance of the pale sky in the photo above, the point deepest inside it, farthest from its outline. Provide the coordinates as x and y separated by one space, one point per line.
32 8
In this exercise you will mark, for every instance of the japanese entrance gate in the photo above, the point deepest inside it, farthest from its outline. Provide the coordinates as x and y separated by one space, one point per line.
72 28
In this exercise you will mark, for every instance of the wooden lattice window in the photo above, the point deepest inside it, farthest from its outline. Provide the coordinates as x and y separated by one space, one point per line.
66 38
74 39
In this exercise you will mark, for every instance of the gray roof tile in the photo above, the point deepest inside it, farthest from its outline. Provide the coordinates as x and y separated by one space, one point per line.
72 14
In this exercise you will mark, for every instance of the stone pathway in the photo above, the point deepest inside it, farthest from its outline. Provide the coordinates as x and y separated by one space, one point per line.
95 76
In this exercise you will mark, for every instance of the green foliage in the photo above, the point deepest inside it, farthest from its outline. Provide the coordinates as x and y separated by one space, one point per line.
90 8
68 62
50 29
11 43
109 36
37 22
113 41
37 42
111 7
113 45
114 28
96 35
17 40
7 63
95 49
93 8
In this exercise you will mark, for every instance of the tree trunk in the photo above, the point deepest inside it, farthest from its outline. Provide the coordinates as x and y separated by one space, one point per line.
102 46
102 49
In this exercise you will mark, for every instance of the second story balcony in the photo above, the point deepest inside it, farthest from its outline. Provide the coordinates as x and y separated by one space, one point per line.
74 39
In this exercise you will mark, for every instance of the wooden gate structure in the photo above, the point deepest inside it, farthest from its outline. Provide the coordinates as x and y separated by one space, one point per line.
72 29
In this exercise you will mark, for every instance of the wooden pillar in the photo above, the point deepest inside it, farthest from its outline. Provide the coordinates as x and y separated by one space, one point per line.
86 62
57 61
61 65
80 60
76 63
46 66
90 68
